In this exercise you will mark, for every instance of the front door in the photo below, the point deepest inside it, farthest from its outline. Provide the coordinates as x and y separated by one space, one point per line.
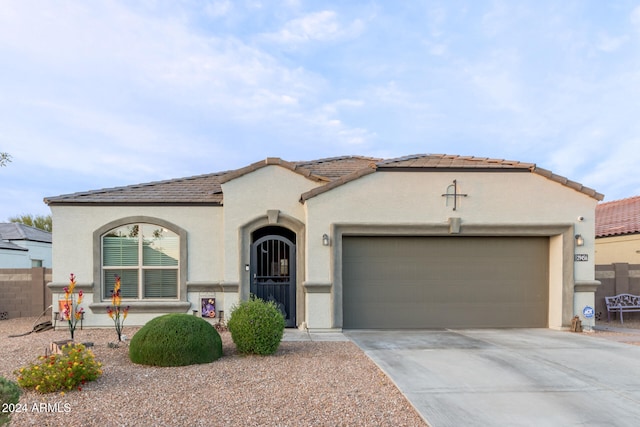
273 273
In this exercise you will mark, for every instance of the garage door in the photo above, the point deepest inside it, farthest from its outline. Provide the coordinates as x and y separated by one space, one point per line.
445 282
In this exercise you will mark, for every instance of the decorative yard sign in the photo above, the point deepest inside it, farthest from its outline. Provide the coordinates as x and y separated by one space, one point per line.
588 313
582 257
208 307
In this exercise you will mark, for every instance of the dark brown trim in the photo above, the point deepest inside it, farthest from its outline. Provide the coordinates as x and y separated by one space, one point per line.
449 169
154 203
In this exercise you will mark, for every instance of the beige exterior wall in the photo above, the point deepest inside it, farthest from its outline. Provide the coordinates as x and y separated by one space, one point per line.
74 227
73 249
218 238
497 204
248 199
616 249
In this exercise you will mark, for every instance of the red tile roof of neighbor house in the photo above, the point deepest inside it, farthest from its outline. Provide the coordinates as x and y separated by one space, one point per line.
618 217
332 172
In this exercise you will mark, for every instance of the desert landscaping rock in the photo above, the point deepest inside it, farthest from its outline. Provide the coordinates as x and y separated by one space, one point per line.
303 384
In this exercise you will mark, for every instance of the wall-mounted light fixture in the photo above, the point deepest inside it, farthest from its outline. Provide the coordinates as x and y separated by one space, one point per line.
579 240
325 240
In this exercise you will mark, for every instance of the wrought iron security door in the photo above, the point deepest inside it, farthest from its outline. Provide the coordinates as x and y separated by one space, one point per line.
273 273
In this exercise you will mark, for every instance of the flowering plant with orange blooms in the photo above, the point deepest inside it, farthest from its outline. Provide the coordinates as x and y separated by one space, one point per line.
71 310
114 310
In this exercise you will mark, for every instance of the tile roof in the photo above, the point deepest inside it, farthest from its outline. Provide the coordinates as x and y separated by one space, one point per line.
437 161
17 231
207 189
337 167
270 161
201 189
334 171
618 217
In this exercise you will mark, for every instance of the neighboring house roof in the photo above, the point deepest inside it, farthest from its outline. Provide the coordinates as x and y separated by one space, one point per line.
11 246
332 172
16 231
618 217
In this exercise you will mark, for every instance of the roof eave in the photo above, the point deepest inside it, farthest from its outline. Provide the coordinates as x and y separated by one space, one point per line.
131 203
337 183
272 161
568 183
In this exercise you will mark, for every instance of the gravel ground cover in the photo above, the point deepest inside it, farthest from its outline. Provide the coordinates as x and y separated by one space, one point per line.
627 332
304 384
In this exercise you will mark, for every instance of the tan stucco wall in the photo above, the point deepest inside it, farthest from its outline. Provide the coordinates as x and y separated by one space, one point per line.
617 249
73 249
416 198
248 198
74 227
383 202
497 204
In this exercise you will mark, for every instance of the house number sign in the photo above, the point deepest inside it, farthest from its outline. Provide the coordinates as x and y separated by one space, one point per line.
582 257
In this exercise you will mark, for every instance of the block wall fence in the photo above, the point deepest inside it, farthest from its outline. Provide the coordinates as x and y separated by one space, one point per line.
24 292
618 278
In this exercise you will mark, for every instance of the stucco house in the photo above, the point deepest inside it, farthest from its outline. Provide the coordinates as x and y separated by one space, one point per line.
617 249
618 231
22 246
422 241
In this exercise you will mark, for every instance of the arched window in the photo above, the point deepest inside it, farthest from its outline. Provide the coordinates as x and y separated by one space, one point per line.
147 259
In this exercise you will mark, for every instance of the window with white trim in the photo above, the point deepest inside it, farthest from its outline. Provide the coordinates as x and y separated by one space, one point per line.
147 259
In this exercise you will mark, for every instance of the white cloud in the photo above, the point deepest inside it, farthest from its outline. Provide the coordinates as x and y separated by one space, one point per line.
318 26
435 48
167 89
342 104
615 172
497 20
607 43
634 17
397 95
497 80
166 62
216 9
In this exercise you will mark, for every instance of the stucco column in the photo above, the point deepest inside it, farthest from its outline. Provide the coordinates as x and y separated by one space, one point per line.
585 296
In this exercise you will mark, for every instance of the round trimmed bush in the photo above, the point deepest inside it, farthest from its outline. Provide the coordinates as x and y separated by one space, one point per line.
256 327
175 340
9 395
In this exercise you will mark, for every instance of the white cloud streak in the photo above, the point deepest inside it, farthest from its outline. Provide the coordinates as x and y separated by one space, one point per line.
116 92
323 26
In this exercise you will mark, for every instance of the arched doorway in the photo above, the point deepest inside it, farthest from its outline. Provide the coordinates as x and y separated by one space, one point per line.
273 269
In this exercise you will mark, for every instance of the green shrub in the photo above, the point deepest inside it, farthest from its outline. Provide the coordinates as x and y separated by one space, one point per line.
175 340
256 326
71 369
9 395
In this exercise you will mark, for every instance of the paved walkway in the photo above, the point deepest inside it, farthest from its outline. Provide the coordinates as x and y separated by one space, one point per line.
291 334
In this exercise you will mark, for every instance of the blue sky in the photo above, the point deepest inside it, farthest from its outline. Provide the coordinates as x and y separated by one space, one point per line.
101 94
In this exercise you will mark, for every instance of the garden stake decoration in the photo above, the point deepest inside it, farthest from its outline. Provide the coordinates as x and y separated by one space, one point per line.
71 310
114 311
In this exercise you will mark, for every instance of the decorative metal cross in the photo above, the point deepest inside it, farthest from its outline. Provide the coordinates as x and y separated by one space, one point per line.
455 194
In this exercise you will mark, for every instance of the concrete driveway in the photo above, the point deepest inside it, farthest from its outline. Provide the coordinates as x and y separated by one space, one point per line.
510 377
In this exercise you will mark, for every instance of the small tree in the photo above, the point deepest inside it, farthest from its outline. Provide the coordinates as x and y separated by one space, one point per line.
4 159
43 222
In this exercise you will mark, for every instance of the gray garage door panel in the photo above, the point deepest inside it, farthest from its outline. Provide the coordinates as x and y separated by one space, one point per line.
445 282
